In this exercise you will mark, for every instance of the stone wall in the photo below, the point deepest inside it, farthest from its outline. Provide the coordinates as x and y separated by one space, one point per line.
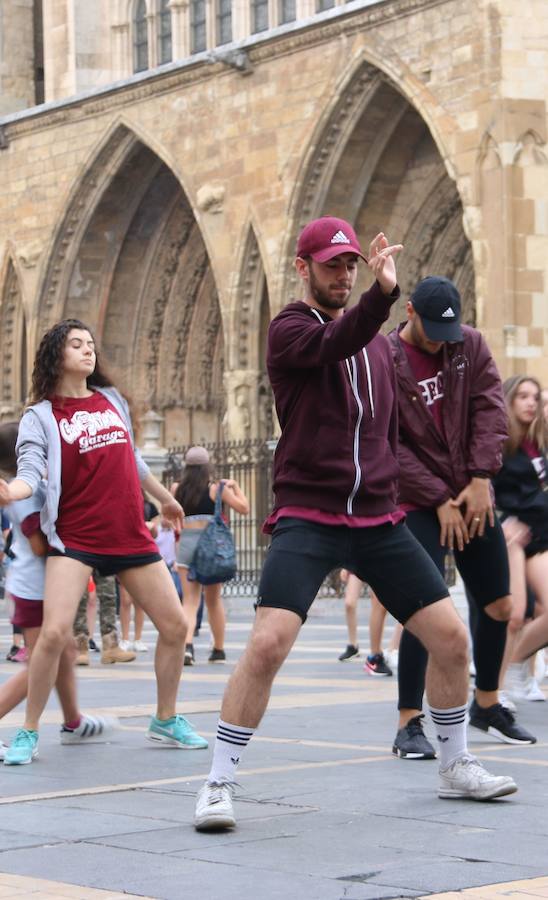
166 210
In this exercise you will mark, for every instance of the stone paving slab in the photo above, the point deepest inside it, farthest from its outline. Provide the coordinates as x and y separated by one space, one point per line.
325 811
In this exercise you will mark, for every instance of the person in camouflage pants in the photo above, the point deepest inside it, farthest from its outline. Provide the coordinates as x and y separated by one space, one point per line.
106 597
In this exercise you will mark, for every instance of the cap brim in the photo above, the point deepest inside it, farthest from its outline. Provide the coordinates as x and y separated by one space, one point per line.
442 331
336 250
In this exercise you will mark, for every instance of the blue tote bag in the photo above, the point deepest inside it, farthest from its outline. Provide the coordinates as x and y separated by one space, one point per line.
214 559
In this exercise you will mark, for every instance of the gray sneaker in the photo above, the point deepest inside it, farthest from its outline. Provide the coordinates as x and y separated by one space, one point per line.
214 807
466 778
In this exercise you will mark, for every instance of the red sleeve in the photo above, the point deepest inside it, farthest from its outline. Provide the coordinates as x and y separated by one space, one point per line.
31 524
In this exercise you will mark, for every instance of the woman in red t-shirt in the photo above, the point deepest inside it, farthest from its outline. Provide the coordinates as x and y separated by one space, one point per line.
79 428
521 492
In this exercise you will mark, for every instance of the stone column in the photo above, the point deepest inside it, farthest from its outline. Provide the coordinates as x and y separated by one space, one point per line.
152 451
180 28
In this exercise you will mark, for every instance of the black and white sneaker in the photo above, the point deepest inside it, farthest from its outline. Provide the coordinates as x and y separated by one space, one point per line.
351 652
500 722
412 743
91 730
189 655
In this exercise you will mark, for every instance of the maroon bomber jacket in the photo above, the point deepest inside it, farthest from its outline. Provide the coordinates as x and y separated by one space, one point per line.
435 467
335 394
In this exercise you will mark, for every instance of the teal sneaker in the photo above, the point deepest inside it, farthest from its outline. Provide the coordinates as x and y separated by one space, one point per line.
175 732
23 749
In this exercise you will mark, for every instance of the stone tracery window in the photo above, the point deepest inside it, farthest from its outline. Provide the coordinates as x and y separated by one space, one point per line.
259 16
287 11
198 33
224 22
165 52
140 37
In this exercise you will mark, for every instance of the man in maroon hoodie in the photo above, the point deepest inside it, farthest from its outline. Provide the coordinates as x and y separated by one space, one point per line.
452 426
335 486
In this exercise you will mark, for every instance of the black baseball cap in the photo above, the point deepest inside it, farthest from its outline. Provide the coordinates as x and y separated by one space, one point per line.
437 302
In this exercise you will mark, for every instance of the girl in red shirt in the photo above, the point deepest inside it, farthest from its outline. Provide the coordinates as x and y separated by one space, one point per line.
79 428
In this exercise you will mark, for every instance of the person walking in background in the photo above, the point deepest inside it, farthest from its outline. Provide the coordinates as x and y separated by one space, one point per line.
196 492
521 494
452 427
375 663
112 652
79 430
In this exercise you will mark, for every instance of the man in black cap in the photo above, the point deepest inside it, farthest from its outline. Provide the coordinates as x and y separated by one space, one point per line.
452 427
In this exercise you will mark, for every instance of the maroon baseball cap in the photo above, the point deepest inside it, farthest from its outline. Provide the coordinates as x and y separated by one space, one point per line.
327 237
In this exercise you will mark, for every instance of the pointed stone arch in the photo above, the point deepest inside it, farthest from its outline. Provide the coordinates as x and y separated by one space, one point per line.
14 365
375 161
129 259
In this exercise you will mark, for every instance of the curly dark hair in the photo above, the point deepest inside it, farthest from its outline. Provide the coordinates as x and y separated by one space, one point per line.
48 361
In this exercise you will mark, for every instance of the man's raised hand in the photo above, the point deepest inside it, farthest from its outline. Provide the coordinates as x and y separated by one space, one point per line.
381 262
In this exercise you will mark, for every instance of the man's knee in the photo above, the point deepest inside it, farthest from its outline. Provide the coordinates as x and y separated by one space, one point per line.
450 647
267 651
500 610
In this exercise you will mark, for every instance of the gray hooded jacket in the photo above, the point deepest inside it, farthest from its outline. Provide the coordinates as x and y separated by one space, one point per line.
39 451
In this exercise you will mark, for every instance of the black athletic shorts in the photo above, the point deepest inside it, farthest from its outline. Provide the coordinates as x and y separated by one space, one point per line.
107 564
387 557
483 564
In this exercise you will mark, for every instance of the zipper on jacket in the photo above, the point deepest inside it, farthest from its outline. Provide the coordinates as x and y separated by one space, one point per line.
353 378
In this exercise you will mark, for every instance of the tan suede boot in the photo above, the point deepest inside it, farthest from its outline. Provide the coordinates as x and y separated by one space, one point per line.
82 647
112 652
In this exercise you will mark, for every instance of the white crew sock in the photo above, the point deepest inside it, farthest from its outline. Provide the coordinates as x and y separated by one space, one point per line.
230 743
450 725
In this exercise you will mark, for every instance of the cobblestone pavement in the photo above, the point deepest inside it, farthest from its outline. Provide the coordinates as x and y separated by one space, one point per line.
325 811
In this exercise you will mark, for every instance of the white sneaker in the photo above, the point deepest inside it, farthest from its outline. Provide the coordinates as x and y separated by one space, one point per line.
126 645
533 691
3 748
540 665
517 677
505 701
214 807
140 646
467 778
91 730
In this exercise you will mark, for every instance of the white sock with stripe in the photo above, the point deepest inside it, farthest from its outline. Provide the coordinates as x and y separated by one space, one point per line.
230 743
450 725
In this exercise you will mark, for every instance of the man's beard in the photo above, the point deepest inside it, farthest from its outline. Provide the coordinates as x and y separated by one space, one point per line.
324 299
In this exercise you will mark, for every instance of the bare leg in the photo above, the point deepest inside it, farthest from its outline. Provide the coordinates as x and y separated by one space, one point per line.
66 581
518 587
351 597
248 691
396 637
191 600
14 691
377 616
215 614
138 621
441 631
91 613
125 613
152 588
66 684
535 634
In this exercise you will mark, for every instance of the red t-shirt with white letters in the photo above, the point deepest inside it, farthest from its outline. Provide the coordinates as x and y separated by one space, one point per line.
101 504
427 369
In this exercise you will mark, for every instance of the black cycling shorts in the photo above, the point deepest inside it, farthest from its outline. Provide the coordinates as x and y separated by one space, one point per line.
483 564
107 564
387 557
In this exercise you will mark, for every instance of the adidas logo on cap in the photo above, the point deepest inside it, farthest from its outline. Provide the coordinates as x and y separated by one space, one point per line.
448 314
340 238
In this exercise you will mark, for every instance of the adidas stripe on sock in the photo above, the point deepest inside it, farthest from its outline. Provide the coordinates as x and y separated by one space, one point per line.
450 725
230 743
